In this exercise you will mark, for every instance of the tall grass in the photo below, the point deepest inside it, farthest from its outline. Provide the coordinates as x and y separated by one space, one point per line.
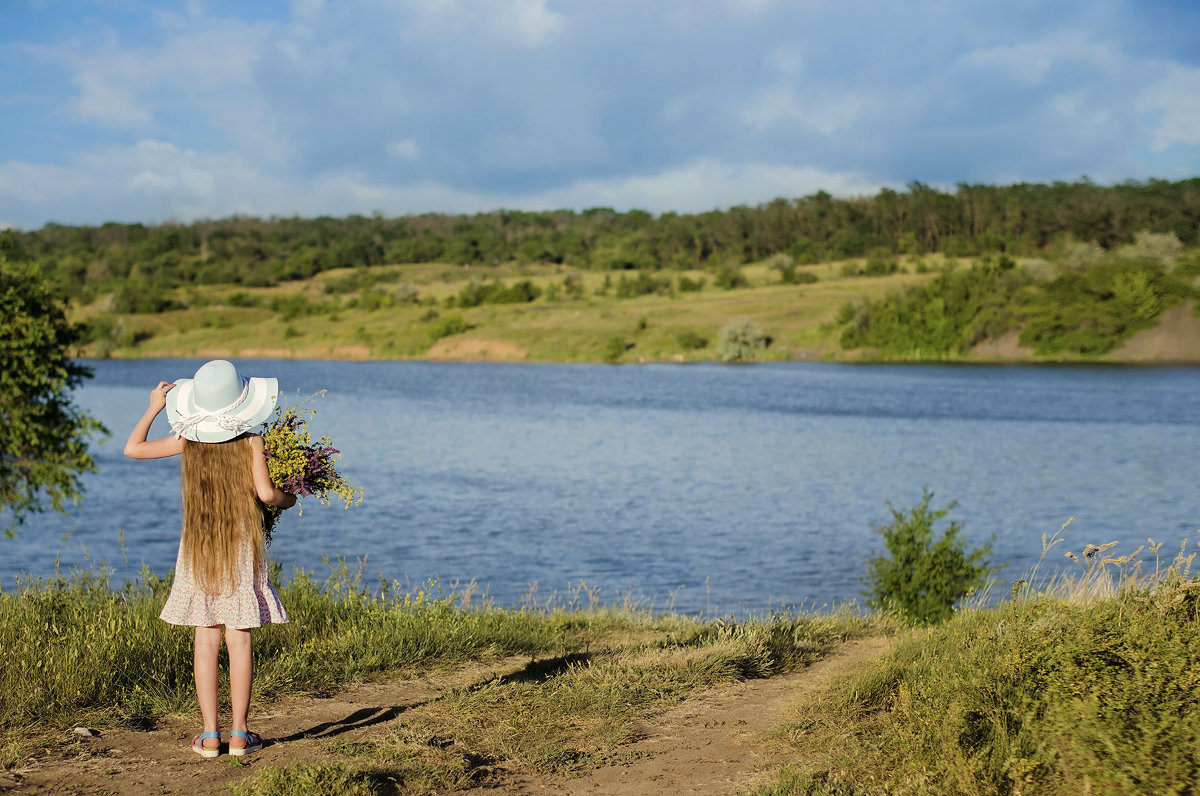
1081 684
80 650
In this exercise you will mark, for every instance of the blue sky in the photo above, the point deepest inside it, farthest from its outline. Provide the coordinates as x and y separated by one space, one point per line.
160 110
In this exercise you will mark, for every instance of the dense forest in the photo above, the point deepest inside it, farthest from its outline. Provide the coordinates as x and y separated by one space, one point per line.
1016 220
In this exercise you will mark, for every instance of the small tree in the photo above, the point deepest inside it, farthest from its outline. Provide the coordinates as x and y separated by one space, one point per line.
740 341
43 446
925 577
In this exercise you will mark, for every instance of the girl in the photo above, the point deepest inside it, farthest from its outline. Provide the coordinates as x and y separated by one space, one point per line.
220 572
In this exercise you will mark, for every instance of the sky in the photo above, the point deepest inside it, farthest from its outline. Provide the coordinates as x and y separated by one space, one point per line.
156 111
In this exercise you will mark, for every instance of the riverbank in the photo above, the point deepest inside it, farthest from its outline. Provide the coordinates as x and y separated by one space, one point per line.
551 314
1081 683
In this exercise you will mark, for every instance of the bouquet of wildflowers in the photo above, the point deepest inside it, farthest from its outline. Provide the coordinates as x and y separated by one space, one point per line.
298 465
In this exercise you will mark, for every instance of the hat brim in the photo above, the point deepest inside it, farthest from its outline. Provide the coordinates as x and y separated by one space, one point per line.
261 396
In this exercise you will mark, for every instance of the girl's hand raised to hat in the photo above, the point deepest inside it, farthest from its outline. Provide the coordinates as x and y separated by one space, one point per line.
158 396
136 447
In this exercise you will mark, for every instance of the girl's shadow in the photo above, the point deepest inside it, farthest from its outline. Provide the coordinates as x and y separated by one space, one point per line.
359 719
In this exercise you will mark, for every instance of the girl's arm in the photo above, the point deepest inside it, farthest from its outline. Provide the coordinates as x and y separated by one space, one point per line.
136 447
267 492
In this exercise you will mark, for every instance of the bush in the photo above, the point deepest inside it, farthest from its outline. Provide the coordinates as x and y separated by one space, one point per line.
785 265
924 578
242 299
740 341
945 316
691 341
688 285
142 297
476 293
641 285
1091 312
450 325
880 266
614 349
730 277
295 305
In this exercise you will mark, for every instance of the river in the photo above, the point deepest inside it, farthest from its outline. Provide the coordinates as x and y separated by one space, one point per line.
706 489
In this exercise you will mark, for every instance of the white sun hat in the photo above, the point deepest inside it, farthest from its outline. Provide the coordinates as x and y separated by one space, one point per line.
218 404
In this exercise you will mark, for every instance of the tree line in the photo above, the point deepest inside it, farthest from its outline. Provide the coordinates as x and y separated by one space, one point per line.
1016 220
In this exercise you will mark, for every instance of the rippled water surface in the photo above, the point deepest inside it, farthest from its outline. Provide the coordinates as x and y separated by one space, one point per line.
706 488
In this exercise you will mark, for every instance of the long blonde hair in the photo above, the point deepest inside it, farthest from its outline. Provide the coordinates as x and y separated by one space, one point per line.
219 506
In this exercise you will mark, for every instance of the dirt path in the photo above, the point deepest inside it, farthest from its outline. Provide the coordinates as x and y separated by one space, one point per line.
714 743
130 762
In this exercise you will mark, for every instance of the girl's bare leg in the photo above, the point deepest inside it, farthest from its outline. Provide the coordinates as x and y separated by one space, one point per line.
241 677
204 665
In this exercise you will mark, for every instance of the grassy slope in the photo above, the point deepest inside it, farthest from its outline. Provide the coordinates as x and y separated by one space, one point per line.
798 318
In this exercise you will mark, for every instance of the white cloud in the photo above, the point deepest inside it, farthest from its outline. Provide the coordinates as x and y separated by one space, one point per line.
782 105
156 181
526 23
203 63
35 186
751 8
1176 96
1033 62
788 61
107 101
704 185
404 149
531 21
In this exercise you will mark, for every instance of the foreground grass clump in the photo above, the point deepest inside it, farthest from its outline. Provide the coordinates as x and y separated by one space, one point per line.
80 651
569 712
1085 687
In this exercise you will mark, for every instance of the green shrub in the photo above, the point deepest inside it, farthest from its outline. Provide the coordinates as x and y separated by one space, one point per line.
1091 312
740 341
688 285
690 340
242 299
614 349
945 316
730 277
138 295
785 265
641 285
450 325
924 577
573 286
296 305
881 266
476 293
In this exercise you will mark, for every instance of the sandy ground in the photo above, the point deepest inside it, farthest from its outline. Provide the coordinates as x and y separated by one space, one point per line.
472 349
715 743
1175 339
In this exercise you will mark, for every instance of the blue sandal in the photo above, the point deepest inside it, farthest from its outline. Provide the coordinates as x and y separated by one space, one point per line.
206 751
253 740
